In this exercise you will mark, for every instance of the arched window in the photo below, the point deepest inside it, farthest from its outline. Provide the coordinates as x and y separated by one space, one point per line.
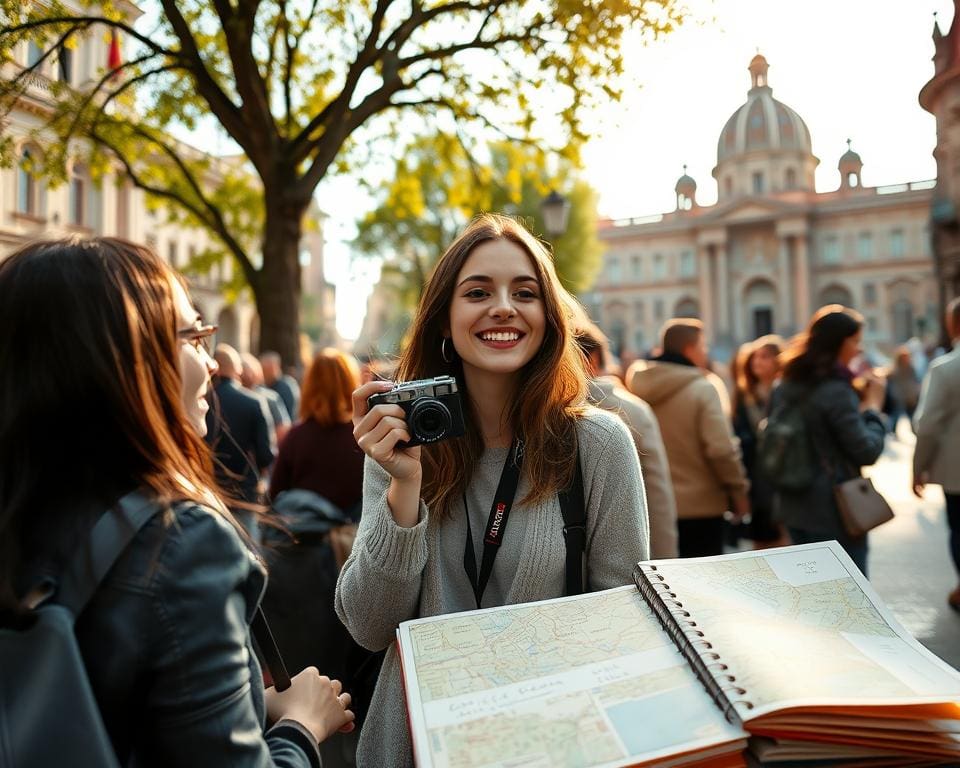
853 180
791 179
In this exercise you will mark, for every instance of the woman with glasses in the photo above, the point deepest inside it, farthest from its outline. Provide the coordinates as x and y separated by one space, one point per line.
104 370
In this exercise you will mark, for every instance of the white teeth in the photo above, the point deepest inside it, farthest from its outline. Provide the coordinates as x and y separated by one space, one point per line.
500 336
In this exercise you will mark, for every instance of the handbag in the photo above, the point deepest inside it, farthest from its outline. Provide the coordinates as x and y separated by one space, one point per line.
862 507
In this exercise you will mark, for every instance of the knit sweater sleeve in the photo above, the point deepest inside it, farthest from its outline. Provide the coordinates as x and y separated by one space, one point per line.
379 586
618 529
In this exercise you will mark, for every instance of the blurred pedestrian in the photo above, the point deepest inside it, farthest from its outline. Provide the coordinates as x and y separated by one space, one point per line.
282 383
495 316
704 456
164 639
903 387
320 453
937 424
240 433
844 432
607 392
757 371
252 379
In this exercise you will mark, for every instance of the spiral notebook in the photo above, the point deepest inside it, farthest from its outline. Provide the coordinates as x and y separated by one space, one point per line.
781 657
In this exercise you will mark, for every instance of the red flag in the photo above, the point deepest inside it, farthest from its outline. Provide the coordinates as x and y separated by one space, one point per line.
113 55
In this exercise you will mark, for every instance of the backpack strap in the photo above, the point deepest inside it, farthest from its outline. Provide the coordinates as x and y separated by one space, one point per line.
575 533
110 537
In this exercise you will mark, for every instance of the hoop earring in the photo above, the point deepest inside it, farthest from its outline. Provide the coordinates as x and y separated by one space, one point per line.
447 357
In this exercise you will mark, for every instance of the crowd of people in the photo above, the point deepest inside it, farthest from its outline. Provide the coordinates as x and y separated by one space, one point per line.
108 389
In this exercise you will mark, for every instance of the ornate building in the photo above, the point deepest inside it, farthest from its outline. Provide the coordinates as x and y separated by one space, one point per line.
941 97
772 249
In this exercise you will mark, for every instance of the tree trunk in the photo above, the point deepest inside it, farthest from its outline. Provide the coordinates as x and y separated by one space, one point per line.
277 287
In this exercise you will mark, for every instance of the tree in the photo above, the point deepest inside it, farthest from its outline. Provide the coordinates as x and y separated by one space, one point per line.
437 187
302 86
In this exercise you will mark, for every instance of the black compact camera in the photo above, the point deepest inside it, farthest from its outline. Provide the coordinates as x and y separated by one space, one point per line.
431 408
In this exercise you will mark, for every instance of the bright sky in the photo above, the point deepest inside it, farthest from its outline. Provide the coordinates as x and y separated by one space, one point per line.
850 68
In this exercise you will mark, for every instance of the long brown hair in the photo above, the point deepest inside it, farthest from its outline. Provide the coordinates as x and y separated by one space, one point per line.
90 397
327 394
745 389
811 355
552 386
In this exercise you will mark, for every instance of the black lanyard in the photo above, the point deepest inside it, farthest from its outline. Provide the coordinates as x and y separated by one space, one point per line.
496 523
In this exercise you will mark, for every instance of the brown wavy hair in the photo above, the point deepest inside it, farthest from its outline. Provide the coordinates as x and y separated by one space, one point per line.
811 356
327 393
552 387
746 381
90 400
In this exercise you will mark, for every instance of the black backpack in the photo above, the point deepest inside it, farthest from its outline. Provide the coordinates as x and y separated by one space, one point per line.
48 714
785 451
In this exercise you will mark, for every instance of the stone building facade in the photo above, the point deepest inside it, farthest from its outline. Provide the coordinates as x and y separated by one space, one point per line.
941 97
772 249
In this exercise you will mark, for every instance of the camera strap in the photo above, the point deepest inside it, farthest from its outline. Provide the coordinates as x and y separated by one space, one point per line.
496 523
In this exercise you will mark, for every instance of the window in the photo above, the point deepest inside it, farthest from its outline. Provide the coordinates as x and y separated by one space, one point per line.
869 294
831 250
659 267
897 249
613 270
639 312
78 197
852 180
688 265
172 254
871 324
791 179
34 54
635 267
865 245
728 185
65 64
658 310
757 183
26 184
639 341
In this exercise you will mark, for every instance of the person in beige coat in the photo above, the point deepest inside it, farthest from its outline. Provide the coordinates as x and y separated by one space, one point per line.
937 424
704 456
606 392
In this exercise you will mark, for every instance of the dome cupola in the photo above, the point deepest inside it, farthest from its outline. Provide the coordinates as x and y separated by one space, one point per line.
764 146
850 166
686 190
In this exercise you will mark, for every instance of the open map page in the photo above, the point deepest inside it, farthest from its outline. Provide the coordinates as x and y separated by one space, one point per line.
804 627
582 681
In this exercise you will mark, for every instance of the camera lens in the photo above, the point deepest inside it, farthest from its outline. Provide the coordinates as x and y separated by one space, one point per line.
429 420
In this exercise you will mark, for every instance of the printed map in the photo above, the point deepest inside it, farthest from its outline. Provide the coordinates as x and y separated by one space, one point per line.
588 682
799 626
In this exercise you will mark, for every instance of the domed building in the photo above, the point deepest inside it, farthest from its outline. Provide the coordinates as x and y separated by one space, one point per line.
772 249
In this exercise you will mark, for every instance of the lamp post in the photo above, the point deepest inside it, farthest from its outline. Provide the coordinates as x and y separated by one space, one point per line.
555 209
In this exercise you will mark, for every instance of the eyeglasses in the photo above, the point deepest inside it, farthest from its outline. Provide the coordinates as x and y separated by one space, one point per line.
200 336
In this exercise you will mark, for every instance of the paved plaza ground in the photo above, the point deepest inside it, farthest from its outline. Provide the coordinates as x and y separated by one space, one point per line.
909 562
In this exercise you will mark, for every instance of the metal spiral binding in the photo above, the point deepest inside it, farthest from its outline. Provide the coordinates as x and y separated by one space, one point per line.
692 642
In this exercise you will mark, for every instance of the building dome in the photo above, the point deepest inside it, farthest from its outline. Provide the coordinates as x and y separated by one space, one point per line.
849 159
764 146
762 122
686 190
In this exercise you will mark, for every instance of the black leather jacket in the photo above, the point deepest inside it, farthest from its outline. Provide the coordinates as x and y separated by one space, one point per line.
166 644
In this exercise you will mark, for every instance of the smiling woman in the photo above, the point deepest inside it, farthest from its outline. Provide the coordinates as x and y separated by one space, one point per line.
494 316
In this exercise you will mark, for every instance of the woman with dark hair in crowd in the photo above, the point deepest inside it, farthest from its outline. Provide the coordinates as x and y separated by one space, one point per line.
495 316
846 431
103 376
756 372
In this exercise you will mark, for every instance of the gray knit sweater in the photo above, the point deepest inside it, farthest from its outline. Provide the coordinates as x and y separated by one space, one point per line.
395 574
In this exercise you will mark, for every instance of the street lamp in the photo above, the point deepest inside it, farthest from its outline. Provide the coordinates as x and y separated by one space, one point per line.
555 210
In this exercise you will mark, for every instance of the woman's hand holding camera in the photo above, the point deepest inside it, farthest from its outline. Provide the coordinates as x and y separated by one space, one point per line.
377 431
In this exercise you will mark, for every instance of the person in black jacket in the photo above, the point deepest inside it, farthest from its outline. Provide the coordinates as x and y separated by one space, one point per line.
846 430
103 376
